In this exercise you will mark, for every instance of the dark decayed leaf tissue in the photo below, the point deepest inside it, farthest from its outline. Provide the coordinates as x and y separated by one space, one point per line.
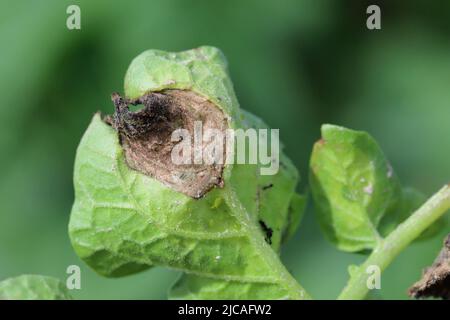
435 280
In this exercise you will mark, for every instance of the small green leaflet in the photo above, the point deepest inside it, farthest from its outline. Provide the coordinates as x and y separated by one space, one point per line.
358 198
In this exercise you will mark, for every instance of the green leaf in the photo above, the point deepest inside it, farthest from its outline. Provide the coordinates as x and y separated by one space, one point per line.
358 198
197 287
33 287
123 221
353 187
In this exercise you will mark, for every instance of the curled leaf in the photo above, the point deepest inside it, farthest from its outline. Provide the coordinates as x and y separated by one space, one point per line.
125 220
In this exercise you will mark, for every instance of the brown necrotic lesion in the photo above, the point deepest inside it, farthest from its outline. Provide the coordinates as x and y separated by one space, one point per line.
435 280
146 137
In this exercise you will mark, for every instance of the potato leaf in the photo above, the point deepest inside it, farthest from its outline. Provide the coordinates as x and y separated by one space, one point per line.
353 187
358 198
124 221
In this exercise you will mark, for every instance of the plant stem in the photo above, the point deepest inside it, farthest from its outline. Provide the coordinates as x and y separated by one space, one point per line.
285 279
396 241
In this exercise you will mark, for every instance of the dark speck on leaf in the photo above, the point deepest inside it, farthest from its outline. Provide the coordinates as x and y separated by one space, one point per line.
267 186
267 231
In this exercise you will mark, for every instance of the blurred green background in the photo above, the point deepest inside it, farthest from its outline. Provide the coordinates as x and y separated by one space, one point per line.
297 64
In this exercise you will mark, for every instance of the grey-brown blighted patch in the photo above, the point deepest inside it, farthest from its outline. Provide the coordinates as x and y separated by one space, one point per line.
435 280
147 140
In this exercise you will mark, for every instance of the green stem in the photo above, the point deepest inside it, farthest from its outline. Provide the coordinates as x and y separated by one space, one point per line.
285 279
396 241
